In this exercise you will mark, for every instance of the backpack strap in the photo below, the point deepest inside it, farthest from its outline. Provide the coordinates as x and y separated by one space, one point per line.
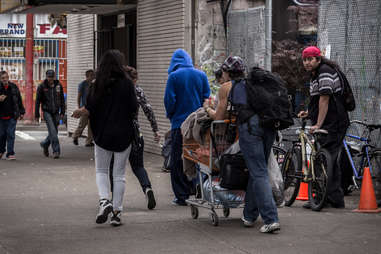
230 101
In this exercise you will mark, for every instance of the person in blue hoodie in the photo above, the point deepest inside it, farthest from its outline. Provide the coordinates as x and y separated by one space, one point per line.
186 90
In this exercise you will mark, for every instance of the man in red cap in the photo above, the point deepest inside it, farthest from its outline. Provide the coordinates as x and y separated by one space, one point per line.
326 111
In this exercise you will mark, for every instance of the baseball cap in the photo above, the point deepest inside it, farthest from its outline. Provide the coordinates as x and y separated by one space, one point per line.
50 74
311 51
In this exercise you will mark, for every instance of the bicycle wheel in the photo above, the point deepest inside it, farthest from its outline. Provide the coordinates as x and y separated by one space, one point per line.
280 155
317 188
291 172
375 162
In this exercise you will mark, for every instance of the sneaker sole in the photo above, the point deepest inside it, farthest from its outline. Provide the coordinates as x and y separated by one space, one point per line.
103 217
271 231
151 200
115 223
247 224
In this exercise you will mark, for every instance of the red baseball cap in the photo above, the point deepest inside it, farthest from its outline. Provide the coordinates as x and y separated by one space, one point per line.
311 51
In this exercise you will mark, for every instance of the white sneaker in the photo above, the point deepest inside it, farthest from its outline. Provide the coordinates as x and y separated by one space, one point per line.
105 208
270 228
247 223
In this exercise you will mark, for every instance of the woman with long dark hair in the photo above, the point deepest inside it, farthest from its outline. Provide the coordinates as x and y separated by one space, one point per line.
137 154
111 105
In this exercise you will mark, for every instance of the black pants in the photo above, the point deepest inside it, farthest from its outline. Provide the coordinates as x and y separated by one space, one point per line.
137 165
333 142
181 186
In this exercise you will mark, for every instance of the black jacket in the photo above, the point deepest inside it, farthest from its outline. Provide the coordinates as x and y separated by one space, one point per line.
112 113
51 98
326 82
18 107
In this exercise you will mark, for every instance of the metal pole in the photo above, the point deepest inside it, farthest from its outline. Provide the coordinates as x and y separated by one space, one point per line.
29 68
268 25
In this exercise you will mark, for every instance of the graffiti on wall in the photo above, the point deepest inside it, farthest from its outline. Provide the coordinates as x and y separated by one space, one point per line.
211 47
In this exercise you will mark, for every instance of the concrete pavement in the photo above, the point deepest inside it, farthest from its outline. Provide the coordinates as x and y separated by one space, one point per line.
49 206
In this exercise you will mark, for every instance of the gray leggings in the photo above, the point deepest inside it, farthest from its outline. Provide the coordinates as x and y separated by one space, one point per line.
102 165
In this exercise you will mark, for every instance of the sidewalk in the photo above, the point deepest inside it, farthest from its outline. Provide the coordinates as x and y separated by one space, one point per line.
49 206
36 127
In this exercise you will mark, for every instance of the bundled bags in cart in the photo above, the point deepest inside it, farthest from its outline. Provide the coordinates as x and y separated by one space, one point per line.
235 175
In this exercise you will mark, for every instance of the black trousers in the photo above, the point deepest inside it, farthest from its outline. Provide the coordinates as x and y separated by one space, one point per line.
137 166
181 186
333 142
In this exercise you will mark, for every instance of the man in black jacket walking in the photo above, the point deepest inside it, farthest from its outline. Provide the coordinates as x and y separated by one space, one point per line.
11 109
50 95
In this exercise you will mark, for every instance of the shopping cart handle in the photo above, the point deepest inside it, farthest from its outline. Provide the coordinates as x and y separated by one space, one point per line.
225 121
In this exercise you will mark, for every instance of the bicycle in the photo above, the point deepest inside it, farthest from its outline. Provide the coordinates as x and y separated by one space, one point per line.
279 153
362 154
311 167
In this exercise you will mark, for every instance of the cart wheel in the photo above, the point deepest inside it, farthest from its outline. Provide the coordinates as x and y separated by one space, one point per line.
194 212
214 218
226 211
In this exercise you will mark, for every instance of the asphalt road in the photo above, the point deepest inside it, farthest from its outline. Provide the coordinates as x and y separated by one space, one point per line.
49 206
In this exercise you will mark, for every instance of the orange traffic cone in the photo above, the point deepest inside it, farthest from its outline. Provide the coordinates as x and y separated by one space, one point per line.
303 192
368 202
303 189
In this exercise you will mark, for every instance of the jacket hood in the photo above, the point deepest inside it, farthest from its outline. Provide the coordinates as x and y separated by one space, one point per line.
180 58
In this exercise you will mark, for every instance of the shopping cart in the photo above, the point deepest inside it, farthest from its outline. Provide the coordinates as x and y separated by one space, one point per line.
222 134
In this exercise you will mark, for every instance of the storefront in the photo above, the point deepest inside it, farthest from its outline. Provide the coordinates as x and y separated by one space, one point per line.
147 34
49 49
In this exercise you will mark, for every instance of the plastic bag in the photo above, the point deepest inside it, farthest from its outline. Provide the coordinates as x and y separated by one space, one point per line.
276 179
229 198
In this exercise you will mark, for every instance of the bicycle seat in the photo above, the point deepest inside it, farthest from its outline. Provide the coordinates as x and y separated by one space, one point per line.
374 126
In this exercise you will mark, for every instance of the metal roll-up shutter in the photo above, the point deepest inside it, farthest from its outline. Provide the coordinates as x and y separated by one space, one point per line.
161 29
80 58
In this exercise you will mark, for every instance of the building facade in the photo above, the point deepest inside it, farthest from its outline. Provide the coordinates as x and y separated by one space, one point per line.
49 50
148 33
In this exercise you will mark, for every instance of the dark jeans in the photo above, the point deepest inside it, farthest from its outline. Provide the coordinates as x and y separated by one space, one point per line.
255 143
137 165
181 186
333 142
52 121
7 135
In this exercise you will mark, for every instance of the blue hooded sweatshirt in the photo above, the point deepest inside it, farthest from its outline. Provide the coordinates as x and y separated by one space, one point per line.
186 88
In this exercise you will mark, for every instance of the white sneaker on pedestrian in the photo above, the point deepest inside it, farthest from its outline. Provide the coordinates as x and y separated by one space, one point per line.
270 228
247 223
105 208
116 219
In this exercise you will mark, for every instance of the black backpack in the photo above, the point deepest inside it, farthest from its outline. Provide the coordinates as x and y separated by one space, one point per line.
348 97
267 96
